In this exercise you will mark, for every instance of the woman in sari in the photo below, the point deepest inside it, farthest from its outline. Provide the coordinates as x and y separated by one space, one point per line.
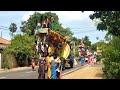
54 67
41 68
48 60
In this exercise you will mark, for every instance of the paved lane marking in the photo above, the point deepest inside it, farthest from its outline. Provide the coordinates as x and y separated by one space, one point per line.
2 77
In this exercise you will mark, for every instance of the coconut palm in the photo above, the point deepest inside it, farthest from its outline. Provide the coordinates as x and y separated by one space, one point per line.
13 28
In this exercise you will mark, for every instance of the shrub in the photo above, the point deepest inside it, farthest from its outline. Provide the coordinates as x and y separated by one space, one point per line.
112 59
98 57
9 61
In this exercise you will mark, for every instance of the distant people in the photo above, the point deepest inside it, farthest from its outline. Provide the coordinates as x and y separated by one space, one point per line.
82 59
33 62
86 58
71 57
62 63
95 60
89 59
45 49
38 26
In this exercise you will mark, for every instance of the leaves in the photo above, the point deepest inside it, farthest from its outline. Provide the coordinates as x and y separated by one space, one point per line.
21 46
86 41
29 26
110 21
13 27
112 58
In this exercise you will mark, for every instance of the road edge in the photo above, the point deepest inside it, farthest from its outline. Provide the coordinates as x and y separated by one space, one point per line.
73 70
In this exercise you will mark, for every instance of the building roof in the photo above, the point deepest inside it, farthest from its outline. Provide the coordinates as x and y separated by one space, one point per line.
4 41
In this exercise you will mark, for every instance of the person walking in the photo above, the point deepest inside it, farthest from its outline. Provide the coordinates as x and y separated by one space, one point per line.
82 60
48 60
33 62
41 68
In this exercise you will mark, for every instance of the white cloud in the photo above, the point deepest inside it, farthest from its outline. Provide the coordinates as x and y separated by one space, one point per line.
27 15
64 16
70 16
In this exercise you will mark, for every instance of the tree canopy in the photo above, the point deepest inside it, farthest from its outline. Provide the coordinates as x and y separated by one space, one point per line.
21 46
109 21
86 41
30 24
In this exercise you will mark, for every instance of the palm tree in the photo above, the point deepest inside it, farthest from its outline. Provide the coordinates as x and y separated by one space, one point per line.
13 28
23 27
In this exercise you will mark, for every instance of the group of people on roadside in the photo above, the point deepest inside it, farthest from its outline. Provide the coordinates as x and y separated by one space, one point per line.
90 59
49 66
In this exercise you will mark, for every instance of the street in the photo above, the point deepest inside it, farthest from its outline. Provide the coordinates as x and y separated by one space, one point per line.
29 74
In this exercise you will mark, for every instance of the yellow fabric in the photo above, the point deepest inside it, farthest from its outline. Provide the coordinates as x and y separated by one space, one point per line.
48 59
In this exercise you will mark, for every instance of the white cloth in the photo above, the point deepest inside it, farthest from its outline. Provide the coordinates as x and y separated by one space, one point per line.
75 62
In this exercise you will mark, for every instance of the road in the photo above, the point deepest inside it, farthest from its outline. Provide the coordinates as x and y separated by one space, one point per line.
29 74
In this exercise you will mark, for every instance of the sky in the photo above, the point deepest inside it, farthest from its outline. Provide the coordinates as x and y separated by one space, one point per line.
79 23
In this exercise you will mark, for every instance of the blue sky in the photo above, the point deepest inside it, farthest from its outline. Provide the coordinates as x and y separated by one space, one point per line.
79 23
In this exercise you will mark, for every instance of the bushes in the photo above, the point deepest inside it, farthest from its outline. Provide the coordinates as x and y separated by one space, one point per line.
9 61
112 59
98 57
111 69
19 52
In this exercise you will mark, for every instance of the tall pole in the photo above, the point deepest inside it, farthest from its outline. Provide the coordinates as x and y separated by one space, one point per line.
0 60
1 33
35 24
74 49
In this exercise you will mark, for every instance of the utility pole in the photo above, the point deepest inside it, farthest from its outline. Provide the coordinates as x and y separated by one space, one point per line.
74 49
1 33
0 59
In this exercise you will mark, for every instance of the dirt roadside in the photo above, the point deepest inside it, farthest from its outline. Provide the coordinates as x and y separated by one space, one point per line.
89 72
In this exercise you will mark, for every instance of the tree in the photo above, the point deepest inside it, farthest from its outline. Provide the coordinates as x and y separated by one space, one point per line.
111 60
93 47
22 47
86 41
31 23
13 28
109 21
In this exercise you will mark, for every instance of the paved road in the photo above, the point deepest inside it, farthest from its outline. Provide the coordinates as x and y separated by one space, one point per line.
29 74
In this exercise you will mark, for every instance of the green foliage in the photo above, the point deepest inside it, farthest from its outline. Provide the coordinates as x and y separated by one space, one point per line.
76 51
13 28
102 44
21 48
9 60
93 47
29 26
66 32
86 41
112 59
109 21
98 57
